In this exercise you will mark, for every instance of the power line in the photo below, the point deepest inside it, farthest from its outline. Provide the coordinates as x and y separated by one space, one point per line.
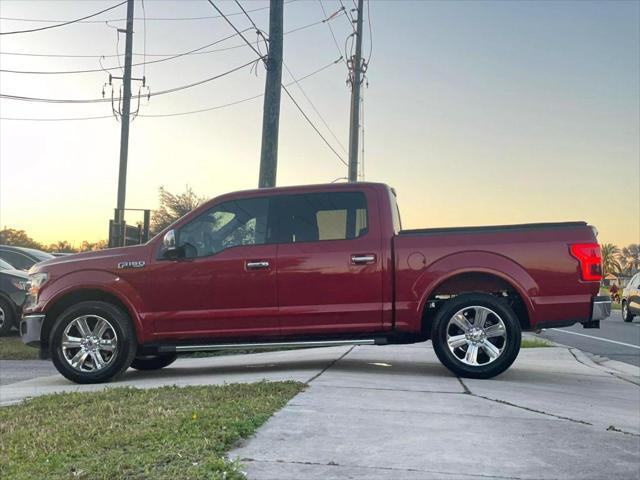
314 107
370 31
286 90
94 70
333 35
174 114
195 52
237 31
100 100
69 22
207 17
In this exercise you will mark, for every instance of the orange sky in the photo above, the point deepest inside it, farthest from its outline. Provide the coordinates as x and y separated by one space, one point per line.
477 113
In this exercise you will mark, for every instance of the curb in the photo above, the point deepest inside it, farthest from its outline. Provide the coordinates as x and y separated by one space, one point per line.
624 371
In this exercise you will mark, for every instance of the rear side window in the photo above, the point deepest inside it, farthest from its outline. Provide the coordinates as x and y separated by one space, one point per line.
316 217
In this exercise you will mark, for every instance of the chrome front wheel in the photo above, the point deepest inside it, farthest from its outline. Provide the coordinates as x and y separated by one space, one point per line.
89 343
92 342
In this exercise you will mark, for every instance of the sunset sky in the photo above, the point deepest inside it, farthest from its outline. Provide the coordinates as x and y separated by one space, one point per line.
477 112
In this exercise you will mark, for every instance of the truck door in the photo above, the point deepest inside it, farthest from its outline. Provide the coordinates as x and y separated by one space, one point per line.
329 265
226 285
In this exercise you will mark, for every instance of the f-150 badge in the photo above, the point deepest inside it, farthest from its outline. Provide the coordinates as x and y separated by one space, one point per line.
132 264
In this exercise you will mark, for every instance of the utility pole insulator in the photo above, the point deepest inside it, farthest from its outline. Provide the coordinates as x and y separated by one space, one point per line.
356 65
272 90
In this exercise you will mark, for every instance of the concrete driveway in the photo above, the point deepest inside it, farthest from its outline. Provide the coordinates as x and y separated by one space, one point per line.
395 412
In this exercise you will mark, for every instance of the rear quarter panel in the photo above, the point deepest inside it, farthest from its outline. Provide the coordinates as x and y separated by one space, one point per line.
537 263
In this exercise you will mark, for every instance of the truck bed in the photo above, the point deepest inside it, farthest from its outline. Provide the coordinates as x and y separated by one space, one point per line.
492 228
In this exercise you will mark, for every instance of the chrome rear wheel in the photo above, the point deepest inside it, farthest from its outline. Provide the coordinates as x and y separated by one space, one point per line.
476 335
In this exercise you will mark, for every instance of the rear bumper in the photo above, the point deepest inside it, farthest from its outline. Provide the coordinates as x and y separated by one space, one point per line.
601 308
30 329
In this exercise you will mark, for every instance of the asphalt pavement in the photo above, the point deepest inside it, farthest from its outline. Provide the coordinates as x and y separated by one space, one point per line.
615 339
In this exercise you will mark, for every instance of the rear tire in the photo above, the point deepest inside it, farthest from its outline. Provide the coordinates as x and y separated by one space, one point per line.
92 342
626 314
7 318
153 362
476 335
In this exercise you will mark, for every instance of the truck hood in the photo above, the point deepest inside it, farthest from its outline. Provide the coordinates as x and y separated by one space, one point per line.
101 259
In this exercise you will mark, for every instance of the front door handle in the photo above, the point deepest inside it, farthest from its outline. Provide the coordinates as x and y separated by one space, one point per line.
257 265
363 259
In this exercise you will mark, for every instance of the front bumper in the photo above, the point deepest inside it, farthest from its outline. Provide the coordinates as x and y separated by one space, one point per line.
30 329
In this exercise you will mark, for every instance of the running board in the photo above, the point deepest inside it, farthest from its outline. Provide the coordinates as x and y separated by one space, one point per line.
265 345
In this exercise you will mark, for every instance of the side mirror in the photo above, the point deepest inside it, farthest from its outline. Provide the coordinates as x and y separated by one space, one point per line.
170 250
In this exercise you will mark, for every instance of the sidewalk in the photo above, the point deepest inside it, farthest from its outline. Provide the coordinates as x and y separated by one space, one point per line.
395 412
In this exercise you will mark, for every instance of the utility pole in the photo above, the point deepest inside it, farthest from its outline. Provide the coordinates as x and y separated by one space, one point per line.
356 81
126 110
272 89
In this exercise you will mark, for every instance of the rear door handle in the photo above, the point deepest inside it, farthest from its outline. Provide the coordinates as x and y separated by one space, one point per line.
363 259
257 265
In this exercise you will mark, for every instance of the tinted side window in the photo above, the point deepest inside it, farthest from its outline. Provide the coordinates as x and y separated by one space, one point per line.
17 260
229 224
322 216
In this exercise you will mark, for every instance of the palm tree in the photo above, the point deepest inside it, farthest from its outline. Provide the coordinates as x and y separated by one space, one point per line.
610 254
630 258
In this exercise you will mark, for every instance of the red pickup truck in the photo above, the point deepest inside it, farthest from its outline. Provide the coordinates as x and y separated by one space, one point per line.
312 266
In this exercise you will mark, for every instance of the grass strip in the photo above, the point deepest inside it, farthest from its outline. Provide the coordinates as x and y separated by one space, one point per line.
161 433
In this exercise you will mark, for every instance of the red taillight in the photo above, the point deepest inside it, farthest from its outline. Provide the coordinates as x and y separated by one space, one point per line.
590 258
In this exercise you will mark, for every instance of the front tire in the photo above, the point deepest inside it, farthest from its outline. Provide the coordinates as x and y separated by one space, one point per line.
476 335
7 318
92 342
153 362
626 314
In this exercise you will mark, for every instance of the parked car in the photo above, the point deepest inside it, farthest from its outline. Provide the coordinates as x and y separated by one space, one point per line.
313 266
13 288
22 258
631 299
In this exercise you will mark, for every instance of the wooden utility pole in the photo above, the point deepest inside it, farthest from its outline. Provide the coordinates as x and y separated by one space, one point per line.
356 82
124 118
272 89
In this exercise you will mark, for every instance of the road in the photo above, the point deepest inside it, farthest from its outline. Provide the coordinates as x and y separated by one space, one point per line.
614 339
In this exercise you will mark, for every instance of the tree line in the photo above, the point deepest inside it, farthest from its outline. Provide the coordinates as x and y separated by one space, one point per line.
171 208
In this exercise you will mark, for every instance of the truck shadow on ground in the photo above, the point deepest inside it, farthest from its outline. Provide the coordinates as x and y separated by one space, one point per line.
313 367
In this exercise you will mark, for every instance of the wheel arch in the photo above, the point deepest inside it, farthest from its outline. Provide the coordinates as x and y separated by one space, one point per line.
476 280
69 298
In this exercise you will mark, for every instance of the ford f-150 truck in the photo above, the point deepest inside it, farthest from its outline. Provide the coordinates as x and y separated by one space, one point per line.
312 266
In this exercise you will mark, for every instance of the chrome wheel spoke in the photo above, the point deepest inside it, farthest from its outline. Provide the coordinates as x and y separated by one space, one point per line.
71 342
106 345
457 341
100 328
98 362
462 323
78 359
83 326
496 330
480 317
490 349
471 357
